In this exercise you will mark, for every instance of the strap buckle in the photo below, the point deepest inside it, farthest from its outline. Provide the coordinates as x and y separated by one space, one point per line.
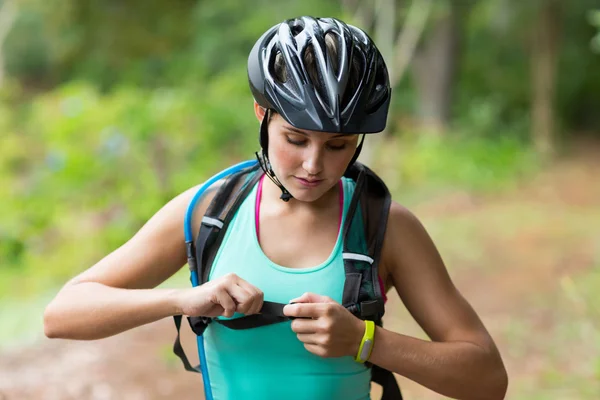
199 324
371 309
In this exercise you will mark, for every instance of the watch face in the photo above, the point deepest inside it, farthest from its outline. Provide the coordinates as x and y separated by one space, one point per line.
366 350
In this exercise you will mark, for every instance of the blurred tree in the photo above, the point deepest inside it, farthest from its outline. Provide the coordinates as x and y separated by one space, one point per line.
397 42
594 18
8 13
546 34
435 65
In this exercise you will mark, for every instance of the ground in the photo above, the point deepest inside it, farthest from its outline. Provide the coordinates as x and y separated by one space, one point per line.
526 259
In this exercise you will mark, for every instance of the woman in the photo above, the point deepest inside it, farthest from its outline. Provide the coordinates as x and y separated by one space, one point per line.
317 84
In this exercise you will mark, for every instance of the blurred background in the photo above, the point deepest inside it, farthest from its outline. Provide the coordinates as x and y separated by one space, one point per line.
109 108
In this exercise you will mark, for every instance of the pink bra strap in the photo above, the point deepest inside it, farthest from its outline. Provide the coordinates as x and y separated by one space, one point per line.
257 206
341 204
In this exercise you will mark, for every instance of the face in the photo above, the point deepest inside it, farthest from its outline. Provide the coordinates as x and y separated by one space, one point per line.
308 163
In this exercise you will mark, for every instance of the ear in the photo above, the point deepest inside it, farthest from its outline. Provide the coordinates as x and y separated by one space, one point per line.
259 111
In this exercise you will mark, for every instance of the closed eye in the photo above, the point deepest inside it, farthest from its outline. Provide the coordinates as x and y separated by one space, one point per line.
296 142
338 147
300 143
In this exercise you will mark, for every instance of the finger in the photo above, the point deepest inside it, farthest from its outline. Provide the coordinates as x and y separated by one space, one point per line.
247 285
305 326
315 349
225 301
256 297
304 310
257 301
308 338
312 298
242 298
302 299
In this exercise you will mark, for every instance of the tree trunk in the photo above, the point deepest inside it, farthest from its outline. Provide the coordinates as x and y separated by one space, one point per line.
384 36
8 14
385 29
544 63
434 69
408 39
396 45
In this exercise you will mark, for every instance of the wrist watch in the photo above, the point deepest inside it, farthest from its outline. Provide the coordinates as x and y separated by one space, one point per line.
366 344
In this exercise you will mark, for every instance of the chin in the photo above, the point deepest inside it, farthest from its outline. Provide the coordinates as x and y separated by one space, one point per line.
307 195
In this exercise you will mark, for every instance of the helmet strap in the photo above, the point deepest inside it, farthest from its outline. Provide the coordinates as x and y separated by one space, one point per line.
264 130
263 158
357 152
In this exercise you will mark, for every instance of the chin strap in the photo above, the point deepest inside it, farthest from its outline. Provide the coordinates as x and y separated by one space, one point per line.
263 158
263 161
356 153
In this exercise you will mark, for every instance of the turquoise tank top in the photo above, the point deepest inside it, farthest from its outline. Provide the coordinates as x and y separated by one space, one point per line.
269 362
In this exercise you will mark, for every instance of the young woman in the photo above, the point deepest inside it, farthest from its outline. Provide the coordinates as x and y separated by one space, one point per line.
318 84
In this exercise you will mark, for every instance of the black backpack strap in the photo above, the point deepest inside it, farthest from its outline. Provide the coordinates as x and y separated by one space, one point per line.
178 349
218 216
211 229
364 231
270 313
214 225
386 379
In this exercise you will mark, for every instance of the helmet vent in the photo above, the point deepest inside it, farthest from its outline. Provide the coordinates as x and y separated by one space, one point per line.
279 69
297 28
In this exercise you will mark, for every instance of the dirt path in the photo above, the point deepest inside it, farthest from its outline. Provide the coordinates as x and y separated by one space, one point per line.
138 364
134 365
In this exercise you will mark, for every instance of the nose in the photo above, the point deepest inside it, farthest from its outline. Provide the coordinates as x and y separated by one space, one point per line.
313 163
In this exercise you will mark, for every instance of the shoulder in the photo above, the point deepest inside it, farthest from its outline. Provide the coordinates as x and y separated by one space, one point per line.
402 223
202 203
406 244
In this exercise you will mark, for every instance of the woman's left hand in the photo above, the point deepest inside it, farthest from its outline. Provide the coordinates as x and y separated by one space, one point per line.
326 328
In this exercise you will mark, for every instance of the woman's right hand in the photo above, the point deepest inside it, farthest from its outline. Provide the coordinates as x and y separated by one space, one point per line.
223 296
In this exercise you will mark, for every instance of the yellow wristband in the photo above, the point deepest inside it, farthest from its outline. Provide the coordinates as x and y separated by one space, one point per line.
366 344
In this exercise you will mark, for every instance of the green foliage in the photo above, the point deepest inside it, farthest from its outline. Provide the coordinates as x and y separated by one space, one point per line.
85 170
143 42
579 77
594 18
25 51
496 63
486 151
429 165
110 41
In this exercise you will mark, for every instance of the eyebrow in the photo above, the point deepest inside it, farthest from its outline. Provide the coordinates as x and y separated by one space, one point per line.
296 130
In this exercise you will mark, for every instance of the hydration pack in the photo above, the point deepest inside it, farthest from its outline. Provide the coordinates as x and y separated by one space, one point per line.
363 233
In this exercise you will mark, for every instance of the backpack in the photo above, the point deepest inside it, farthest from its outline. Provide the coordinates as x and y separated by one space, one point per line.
363 234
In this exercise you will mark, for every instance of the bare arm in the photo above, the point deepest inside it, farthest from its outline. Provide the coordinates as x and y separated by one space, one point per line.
117 294
461 360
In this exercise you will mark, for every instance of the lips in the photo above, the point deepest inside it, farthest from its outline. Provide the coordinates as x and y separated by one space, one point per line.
309 182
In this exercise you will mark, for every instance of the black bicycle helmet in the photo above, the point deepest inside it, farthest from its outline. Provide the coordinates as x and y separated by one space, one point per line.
348 94
324 105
